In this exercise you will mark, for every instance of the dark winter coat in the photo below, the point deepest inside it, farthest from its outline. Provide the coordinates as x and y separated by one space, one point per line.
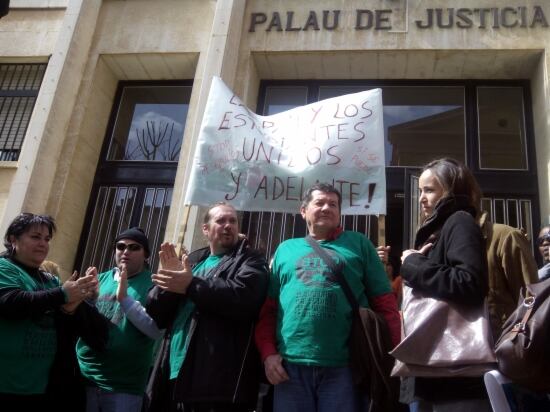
222 364
455 270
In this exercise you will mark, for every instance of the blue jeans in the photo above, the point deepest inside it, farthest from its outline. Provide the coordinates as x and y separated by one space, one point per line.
318 389
99 400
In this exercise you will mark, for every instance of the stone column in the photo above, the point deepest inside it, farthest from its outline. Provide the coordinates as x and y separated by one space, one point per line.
219 59
540 90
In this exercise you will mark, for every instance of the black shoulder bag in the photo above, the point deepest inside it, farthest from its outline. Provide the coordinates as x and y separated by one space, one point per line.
369 344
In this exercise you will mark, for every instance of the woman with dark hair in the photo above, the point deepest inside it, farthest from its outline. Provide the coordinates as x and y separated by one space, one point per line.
37 318
448 262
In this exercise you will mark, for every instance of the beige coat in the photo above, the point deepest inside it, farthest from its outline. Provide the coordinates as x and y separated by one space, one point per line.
511 266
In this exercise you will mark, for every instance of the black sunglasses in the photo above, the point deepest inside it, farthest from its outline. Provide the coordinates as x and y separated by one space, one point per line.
543 238
132 247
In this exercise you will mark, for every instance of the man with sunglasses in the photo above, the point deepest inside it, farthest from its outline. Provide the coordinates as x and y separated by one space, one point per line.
116 377
543 243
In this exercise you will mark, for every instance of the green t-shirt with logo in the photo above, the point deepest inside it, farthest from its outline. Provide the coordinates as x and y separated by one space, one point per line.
27 345
314 316
124 365
182 322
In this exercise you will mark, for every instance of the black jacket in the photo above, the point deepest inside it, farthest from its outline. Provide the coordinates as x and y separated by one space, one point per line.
455 270
222 364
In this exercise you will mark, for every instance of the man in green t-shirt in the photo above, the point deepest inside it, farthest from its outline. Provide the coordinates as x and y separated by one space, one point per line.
305 323
209 304
117 376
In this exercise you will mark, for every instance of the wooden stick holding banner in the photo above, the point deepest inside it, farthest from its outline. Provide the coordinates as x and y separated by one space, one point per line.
381 230
183 229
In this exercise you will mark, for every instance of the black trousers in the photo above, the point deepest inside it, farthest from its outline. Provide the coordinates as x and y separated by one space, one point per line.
10 402
211 407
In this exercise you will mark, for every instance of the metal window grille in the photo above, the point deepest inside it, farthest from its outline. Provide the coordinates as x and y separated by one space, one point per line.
19 86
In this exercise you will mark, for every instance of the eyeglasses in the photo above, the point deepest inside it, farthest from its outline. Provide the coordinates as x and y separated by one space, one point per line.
543 238
132 247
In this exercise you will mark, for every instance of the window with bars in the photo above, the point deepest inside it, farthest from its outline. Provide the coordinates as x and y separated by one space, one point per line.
19 86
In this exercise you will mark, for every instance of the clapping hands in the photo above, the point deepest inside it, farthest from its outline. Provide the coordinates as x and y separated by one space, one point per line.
175 275
78 289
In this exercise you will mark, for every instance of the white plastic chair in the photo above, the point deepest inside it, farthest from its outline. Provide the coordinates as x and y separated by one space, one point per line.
493 382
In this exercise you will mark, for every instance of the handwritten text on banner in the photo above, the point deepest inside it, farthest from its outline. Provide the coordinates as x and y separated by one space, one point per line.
265 163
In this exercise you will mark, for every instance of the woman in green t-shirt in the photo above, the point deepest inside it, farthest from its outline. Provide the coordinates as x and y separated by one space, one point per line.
35 319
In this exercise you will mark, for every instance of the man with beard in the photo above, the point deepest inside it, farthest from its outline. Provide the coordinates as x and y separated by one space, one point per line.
208 302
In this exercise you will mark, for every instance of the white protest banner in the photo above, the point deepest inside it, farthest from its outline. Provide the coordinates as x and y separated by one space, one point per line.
266 163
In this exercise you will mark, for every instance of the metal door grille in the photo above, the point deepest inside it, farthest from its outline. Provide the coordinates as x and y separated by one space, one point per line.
513 212
117 208
266 230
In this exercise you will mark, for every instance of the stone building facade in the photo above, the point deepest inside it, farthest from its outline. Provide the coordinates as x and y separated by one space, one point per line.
82 81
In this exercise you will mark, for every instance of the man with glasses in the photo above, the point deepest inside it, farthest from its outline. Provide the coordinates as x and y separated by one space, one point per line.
116 377
543 243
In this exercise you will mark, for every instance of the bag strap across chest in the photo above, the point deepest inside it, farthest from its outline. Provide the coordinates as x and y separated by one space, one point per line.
336 269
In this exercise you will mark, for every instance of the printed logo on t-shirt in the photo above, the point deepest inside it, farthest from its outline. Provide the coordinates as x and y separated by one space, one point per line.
316 304
312 271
